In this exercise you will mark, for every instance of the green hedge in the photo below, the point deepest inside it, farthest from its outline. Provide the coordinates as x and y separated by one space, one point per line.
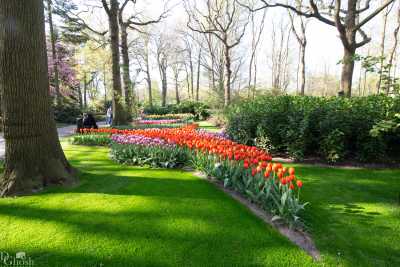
333 128
91 139
199 110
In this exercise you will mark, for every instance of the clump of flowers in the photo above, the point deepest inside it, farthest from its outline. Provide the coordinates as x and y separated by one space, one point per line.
170 121
181 116
138 140
208 134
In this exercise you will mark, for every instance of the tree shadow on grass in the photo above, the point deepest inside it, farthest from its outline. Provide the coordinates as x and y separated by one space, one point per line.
163 234
129 216
352 214
117 184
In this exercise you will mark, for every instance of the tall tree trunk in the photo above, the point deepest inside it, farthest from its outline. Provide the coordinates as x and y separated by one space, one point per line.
149 89
393 51
187 81
177 89
164 87
85 91
34 157
198 76
126 68
382 47
53 39
119 117
302 68
148 78
347 71
227 95
105 84
191 67
80 97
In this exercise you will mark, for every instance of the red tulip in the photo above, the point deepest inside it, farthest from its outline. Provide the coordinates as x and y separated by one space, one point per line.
299 183
246 165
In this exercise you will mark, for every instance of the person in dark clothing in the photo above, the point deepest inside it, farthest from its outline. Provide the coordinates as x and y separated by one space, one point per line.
89 121
79 125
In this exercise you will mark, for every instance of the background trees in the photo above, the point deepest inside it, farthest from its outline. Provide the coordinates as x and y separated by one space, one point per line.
223 20
348 21
230 52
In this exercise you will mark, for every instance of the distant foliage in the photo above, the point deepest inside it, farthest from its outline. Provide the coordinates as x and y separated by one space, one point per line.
67 112
333 128
67 75
199 110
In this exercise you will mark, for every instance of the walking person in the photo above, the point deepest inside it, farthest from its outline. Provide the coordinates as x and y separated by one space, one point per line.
109 116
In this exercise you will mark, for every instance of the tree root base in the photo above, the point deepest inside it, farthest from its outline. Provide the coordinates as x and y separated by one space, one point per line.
25 180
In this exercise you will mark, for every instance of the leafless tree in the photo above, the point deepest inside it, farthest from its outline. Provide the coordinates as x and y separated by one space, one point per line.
135 21
300 34
177 66
385 15
224 20
163 53
345 17
256 33
279 56
141 55
393 49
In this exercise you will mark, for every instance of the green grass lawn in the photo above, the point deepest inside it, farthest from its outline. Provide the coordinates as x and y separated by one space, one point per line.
354 214
129 216
206 125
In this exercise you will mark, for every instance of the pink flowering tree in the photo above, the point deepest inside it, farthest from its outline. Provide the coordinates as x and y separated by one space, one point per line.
69 83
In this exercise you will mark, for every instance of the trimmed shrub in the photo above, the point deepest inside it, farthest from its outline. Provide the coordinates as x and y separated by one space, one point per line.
199 110
333 128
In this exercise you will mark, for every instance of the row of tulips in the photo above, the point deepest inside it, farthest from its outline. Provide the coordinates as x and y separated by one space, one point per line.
140 150
182 116
153 122
246 169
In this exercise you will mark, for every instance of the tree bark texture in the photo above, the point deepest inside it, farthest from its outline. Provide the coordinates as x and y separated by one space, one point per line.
34 158
198 76
126 69
227 95
119 117
148 75
347 72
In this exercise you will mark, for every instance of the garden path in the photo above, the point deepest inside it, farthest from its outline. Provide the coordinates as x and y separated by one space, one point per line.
62 132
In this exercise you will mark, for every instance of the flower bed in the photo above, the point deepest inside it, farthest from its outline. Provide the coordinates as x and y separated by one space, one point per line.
182 117
246 169
170 121
97 139
141 150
